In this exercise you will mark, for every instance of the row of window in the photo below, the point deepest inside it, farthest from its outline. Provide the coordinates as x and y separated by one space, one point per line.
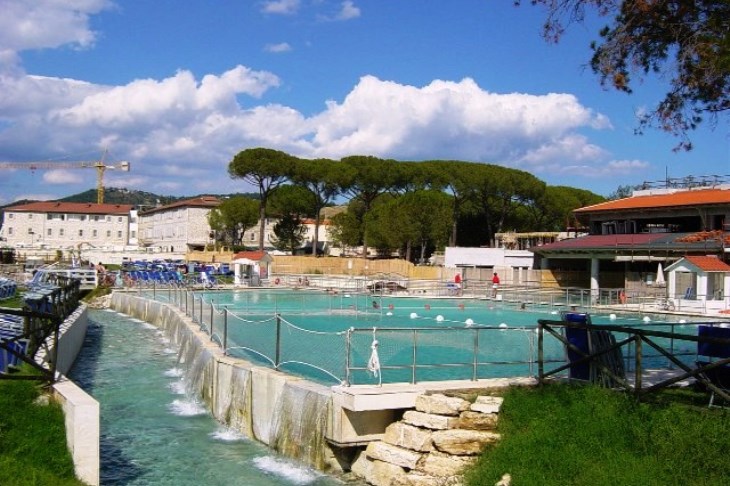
73 217
61 232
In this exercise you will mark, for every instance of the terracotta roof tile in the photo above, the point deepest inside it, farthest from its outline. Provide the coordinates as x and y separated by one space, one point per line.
71 207
251 255
696 197
196 202
708 263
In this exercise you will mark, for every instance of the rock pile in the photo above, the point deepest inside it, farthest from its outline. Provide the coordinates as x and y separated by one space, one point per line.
432 444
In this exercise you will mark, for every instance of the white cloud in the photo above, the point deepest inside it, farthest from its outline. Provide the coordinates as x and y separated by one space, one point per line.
39 24
281 7
277 48
179 133
348 11
62 177
627 166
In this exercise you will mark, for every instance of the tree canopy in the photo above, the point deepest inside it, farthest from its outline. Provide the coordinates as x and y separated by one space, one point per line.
409 208
266 169
684 42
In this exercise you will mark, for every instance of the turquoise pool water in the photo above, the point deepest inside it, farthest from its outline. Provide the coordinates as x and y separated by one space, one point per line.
153 433
329 338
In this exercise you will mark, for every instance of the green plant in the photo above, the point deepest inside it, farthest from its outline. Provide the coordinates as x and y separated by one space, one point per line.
575 435
32 438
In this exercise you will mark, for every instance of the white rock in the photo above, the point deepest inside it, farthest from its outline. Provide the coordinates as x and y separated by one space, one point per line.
429 421
441 404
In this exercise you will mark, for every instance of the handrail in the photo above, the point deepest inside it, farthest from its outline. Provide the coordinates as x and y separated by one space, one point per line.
639 337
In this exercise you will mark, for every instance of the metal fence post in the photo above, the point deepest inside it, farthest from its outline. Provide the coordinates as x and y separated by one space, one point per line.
348 337
278 341
415 354
637 371
476 355
225 331
201 312
540 351
211 319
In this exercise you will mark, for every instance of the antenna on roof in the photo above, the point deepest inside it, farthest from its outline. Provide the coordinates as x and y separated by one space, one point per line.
666 175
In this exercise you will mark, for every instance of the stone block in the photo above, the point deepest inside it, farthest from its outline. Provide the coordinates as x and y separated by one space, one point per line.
477 421
408 437
463 442
392 454
417 479
429 421
487 404
361 465
385 474
444 465
441 404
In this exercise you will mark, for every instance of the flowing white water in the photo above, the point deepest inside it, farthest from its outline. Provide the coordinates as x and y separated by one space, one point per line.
153 435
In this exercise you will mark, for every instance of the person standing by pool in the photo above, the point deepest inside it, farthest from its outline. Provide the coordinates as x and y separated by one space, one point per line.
495 285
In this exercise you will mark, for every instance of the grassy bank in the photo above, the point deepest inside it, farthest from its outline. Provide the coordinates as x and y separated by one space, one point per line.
574 435
32 439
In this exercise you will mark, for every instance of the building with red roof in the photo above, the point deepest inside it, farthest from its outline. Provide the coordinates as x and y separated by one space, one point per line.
60 225
628 238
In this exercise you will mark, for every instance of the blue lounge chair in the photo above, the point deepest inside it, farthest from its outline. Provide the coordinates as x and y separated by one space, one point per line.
719 375
579 338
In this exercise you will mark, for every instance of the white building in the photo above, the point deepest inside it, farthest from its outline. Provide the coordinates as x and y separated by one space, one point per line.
178 227
62 225
480 263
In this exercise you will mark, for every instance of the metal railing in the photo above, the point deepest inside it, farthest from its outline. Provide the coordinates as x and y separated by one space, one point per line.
405 355
631 344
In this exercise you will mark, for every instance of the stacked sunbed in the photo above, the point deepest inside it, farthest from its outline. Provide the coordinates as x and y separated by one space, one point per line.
7 288
11 328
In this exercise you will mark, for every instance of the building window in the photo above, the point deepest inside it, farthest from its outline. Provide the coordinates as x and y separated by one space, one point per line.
30 231
133 234
81 232
119 219
60 232
50 232
96 218
119 234
10 231
108 233
93 233
30 216
10 215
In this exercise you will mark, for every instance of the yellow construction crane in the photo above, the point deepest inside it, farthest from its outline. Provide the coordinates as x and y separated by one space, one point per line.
99 165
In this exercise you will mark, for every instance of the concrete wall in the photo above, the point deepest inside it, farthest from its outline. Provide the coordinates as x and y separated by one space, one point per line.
81 412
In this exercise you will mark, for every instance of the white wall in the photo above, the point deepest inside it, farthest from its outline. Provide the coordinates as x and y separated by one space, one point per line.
487 257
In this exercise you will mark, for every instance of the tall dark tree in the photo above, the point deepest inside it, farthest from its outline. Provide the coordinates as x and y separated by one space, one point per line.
266 169
325 179
370 177
288 233
456 178
233 216
685 42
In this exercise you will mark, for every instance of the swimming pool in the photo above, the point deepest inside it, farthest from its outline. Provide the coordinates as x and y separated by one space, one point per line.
331 338
154 431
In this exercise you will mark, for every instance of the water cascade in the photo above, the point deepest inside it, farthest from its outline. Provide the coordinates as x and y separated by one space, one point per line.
288 414
300 420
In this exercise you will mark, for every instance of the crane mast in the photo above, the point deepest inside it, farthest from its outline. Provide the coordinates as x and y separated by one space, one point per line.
99 165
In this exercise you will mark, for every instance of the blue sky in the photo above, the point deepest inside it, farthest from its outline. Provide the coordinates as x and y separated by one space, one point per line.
178 88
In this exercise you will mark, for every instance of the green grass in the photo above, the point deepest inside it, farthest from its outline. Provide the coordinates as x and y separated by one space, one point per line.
33 447
581 435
